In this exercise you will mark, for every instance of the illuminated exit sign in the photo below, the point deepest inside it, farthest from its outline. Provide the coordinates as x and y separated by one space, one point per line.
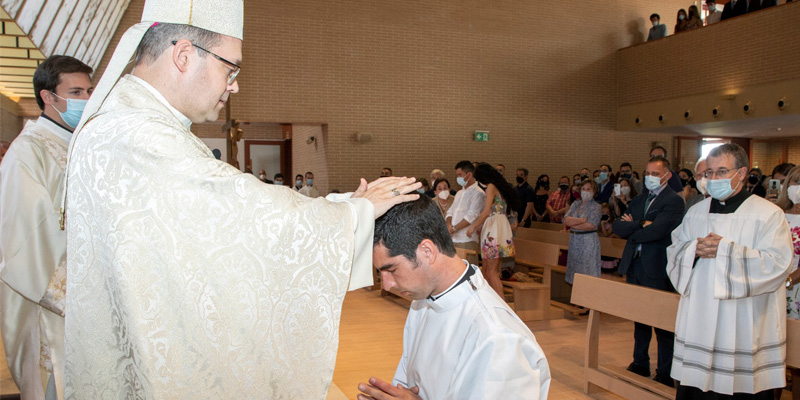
481 136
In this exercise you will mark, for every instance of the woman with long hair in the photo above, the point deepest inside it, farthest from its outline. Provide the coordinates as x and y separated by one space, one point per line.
496 231
541 194
693 21
680 23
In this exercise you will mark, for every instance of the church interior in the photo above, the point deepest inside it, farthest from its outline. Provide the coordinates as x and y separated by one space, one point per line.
344 88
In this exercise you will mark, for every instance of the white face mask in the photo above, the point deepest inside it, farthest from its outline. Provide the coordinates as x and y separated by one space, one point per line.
586 195
625 190
794 193
443 194
701 186
652 183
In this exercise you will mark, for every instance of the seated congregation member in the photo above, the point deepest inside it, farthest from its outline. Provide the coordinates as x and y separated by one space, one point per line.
789 201
729 260
583 219
541 193
525 193
576 179
574 193
755 183
443 198
426 186
497 237
298 182
461 340
278 179
557 203
627 192
647 225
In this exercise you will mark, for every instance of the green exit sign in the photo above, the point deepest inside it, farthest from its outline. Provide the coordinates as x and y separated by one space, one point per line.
481 136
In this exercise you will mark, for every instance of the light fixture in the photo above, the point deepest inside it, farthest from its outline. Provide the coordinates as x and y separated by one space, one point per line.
311 139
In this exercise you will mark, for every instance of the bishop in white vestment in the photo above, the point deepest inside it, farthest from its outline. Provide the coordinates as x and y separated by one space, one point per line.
731 326
188 279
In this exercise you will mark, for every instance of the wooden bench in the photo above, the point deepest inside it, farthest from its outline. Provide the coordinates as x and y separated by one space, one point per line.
636 303
532 299
560 290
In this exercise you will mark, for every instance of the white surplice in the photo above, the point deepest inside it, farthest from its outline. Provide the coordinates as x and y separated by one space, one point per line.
468 344
188 279
731 326
33 251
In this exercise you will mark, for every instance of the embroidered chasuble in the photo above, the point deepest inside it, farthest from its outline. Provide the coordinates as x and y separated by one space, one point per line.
188 279
730 333
33 256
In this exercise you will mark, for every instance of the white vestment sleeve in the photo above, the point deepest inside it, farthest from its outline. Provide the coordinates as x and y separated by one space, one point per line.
741 271
680 258
501 368
364 223
30 239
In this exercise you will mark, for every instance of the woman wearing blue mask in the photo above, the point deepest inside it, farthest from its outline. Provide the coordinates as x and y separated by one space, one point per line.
582 220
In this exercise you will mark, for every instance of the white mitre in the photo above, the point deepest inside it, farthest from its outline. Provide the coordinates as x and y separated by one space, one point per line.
225 17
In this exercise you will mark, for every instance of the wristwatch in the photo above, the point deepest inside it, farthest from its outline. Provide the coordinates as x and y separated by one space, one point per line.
788 281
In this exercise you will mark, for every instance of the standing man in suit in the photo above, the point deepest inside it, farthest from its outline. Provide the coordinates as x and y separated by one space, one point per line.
734 8
647 224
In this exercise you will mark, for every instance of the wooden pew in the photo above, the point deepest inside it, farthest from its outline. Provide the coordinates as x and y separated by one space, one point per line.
532 299
636 303
560 291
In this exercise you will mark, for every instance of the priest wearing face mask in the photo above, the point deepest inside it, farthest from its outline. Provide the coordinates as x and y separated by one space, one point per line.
647 224
32 246
729 260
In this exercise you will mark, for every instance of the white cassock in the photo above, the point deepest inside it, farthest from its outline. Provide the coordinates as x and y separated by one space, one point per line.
33 250
468 344
309 191
189 279
730 333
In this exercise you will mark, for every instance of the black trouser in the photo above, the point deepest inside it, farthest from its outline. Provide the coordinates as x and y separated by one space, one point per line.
642 334
693 393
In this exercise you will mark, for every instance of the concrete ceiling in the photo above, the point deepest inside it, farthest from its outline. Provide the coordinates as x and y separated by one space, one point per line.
769 127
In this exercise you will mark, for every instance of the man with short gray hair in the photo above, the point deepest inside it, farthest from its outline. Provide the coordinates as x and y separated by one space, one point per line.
729 260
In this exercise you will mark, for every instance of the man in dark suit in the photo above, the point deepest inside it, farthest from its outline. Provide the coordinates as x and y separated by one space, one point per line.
734 8
647 224
756 5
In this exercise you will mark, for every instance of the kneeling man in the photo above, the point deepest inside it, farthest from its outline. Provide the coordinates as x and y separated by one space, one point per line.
461 340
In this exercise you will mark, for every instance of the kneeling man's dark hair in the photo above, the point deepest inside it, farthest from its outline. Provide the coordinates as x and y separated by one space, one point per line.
406 225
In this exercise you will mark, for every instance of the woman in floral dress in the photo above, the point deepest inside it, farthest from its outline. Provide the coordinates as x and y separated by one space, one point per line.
789 201
496 232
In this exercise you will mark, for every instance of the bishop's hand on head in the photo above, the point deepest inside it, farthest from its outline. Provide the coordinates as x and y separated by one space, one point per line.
385 193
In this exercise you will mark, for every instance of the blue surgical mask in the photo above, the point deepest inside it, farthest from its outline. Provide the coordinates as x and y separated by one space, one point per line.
598 180
74 111
298 183
603 176
652 183
279 182
420 190
461 181
720 189
310 182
